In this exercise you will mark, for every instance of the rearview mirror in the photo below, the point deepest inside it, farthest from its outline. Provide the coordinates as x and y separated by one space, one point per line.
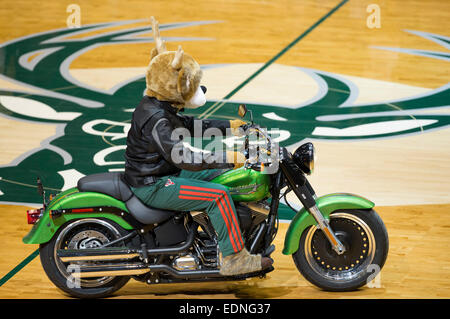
242 110
40 188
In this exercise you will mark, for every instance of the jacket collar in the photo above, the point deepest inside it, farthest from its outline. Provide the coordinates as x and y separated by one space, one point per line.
165 105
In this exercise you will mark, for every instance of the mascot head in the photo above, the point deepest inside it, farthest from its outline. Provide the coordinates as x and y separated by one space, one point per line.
173 76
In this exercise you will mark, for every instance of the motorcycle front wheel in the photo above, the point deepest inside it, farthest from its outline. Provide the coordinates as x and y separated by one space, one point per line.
366 241
81 234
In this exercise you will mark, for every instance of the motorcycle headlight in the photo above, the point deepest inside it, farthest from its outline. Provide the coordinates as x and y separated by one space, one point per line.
304 157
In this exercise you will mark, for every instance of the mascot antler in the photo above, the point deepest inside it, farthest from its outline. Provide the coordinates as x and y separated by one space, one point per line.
160 46
178 59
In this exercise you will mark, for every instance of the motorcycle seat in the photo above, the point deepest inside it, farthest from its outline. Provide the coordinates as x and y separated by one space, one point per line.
113 185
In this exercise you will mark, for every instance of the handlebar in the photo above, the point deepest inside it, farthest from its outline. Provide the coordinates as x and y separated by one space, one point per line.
256 162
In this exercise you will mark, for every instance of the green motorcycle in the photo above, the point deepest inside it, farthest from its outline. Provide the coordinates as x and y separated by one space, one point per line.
95 237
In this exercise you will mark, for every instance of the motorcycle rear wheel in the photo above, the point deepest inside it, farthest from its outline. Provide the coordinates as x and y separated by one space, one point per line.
79 234
365 238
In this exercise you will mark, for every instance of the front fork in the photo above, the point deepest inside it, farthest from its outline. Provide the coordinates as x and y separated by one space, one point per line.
305 193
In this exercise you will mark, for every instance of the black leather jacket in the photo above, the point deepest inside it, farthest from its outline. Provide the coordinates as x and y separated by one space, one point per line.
150 143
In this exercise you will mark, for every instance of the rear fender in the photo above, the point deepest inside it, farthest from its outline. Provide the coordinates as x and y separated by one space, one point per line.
46 227
326 204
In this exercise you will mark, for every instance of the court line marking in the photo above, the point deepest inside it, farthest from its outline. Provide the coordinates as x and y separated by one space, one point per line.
19 267
216 106
239 87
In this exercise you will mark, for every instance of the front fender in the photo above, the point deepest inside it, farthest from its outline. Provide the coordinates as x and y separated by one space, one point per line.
326 204
46 227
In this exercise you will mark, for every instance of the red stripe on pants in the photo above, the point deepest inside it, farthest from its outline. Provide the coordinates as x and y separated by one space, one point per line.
220 198
231 211
232 240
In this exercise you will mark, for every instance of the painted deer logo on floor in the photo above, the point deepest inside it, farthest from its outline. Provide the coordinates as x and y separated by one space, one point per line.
92 123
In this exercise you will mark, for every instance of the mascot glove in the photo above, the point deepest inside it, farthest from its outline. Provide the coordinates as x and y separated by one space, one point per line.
235 126
235 158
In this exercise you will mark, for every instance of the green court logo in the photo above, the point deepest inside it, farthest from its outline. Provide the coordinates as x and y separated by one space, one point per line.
92 123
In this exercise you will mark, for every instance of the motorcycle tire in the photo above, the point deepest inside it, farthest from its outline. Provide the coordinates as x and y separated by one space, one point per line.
50 264
365 238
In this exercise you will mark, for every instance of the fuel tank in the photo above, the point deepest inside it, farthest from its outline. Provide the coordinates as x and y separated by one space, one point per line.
245 185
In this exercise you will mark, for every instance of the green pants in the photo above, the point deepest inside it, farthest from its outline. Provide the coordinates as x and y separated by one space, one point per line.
190 192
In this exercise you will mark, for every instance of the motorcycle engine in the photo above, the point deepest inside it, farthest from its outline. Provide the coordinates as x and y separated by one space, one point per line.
249 214
256 212
186 262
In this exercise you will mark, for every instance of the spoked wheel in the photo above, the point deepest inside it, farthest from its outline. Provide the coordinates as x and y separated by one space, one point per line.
366 243
81 234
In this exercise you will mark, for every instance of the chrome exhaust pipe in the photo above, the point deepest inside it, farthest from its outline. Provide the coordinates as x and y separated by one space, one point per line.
73 255
117 253
111 270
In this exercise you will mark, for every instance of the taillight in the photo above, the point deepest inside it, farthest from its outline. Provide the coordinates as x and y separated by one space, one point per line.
33 215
